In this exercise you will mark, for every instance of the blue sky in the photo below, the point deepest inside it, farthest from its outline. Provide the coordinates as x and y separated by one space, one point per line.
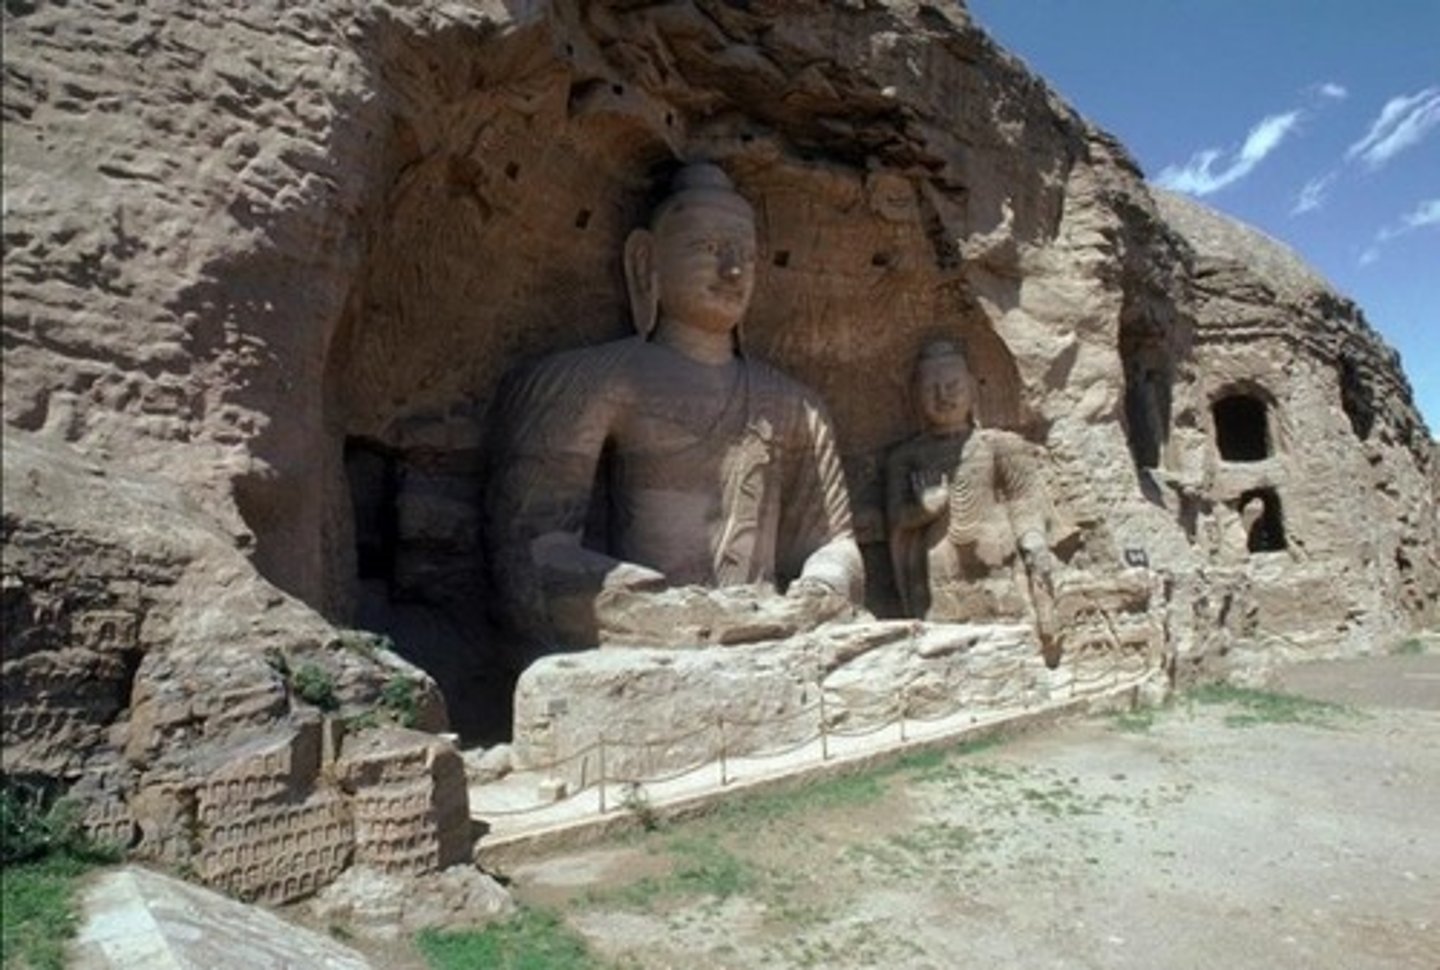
1317 121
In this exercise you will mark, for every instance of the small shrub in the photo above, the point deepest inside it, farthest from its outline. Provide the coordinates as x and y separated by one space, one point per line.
33 826
314 684
364 643
400 697
637 803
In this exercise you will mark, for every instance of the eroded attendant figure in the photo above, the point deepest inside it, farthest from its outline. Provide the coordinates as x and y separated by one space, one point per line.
669 459
967 514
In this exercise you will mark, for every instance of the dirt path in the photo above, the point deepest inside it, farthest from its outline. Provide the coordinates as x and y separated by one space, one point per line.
1244 832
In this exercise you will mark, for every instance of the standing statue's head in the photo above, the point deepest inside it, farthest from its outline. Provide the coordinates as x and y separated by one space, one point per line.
944 388
694 267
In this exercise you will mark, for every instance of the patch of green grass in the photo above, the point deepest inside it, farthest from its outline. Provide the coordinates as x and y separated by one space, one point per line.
39 915
44 853
533 940
843 791
1410 647
1267 707
705 867
936 838
1137 721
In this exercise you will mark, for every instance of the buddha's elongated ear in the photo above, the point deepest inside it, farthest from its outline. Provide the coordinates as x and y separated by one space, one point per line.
641 280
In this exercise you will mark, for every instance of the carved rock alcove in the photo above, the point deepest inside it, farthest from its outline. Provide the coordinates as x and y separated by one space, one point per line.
514 167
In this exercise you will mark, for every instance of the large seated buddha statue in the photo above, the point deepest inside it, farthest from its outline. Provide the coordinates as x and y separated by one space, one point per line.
666 488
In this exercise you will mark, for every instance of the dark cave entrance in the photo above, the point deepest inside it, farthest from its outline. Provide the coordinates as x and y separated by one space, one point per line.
418 576
372 472
1241 427
1265 525
1148 393
1356 399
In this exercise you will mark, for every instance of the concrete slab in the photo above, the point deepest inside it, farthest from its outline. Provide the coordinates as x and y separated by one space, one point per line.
136 919
1401 682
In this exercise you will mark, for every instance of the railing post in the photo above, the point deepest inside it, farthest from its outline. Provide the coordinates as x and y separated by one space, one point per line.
724 774
600 782
824 730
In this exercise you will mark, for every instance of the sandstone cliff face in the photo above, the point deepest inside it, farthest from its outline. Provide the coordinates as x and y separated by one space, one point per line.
265 266
1341 457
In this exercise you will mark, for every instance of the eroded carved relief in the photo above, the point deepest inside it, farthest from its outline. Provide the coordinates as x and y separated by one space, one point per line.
411 809
670 459
279 852
1106 627
969 521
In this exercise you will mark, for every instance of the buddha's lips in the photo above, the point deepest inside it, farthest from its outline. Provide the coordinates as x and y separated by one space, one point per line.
728 292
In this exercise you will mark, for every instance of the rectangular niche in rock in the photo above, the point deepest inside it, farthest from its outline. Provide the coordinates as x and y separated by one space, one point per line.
1241 427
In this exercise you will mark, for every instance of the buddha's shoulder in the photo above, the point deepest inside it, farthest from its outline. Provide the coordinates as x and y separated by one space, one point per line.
612 353
775 382
1005 444
581 367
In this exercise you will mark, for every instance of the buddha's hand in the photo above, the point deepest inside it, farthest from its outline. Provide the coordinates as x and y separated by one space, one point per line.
816 602
634 578
1039 560
931 488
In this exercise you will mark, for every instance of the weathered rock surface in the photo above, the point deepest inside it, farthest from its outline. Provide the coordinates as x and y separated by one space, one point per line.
197 712
1352 559
265 265
636 714
377 906
133 917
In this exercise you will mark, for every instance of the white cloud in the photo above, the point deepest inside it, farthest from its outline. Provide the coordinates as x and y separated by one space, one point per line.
1427 213
1403 121
1199 176
1332 90
1314 193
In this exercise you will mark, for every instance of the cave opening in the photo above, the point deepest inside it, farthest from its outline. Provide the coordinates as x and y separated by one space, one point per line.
1149 394
1241 427
417 574
372 473
1264 523
1356 399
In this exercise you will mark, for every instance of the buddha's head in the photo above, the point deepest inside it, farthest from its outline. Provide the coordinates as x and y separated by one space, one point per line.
695 265
944 387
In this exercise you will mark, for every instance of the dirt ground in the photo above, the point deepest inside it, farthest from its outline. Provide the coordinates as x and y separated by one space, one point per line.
1239 830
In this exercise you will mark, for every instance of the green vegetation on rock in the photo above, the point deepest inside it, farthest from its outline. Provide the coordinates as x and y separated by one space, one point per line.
314 684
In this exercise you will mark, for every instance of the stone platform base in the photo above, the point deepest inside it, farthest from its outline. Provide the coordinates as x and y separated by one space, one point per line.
642 714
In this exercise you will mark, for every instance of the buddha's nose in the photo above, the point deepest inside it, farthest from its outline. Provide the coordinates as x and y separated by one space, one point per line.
730 268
